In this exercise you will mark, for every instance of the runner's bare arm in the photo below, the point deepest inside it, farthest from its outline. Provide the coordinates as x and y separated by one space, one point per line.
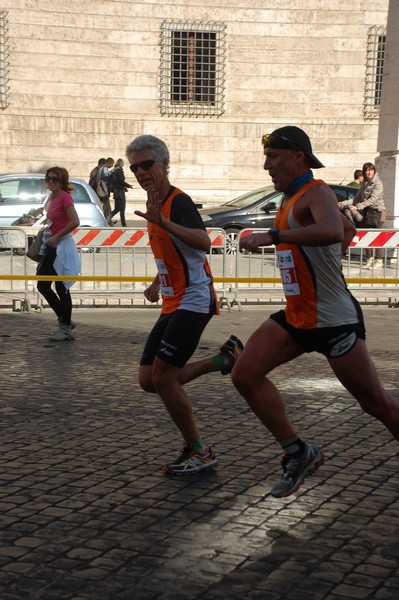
195 238
152 292
349 232
318 213
321 218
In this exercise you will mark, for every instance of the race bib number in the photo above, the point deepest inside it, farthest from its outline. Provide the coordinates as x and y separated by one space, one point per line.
286 265
164 278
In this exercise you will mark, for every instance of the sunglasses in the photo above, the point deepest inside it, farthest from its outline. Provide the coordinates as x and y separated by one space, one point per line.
274 140
145 165
52 178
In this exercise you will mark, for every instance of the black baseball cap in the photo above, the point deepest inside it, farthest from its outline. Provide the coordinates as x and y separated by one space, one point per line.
289 136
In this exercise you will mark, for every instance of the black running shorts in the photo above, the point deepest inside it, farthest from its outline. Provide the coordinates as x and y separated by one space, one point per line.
175 337
333 342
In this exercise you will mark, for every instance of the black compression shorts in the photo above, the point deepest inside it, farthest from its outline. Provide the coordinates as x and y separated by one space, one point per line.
175 337
333 342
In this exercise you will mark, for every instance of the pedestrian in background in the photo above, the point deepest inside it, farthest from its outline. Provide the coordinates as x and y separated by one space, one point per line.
321 315
119 186
370 200
179 242
104 174
93 173
60 255
357 179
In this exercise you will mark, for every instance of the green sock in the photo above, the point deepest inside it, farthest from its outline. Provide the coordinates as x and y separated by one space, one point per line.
219 362
197 444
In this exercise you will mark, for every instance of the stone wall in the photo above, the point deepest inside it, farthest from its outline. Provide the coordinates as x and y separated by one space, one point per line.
388 136
84 80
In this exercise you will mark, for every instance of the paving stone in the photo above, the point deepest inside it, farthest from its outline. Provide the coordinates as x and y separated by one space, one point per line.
86 511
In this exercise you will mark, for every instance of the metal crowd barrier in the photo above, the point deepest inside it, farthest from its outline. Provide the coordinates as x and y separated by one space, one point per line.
378 284
117 264
13 246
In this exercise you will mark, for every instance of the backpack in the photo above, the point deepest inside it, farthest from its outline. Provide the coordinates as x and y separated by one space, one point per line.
93 177
102 187
112 182
102 190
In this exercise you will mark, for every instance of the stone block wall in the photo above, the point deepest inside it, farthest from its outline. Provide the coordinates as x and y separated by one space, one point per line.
84 80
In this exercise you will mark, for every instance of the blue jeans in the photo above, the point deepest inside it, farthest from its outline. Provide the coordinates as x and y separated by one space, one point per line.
120 206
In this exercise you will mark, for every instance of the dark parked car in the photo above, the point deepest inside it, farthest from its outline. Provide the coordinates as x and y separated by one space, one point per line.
254 210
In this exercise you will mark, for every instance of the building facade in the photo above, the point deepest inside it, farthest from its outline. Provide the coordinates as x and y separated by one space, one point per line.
388 134
209 79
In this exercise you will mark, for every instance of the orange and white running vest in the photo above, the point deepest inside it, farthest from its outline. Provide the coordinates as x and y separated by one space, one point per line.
312 278
185 277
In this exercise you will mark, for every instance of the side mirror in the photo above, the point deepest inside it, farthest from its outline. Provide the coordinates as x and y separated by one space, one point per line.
269 207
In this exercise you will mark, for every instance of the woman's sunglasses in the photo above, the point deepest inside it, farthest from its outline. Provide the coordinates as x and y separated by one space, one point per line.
145 165
52 178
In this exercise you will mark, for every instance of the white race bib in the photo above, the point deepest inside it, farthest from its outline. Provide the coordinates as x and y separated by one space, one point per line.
164 278
289 279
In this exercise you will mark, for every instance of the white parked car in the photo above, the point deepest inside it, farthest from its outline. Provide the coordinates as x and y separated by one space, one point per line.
21 193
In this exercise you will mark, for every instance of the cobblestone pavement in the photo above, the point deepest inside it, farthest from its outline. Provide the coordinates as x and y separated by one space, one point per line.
87 514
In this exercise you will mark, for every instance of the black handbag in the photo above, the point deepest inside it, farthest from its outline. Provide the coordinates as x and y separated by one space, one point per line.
372 218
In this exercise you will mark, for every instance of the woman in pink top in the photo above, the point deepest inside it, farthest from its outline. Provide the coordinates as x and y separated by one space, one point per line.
60 255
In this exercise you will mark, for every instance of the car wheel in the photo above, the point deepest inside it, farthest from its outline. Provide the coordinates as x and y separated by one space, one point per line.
232 240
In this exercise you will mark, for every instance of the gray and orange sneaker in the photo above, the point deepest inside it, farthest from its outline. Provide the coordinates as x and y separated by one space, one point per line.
232 349
192 461
295 470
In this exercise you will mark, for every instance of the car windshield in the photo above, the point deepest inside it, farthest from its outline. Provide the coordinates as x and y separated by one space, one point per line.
251 197
79 194
18 191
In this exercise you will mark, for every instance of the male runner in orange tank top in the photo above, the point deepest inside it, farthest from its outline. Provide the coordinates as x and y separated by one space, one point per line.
179 242
321 315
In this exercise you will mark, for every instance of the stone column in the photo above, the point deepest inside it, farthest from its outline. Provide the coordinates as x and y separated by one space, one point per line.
387 163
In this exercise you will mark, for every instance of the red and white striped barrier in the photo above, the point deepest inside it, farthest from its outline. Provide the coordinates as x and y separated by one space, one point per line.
119 237
375 239
372 238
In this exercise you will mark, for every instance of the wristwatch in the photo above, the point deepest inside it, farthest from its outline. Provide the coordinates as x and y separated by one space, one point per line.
274 233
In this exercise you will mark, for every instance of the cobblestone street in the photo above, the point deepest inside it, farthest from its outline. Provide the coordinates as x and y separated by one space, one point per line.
88 514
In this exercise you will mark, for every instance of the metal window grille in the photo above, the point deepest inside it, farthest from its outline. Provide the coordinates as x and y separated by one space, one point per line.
376 37
4 89
192 68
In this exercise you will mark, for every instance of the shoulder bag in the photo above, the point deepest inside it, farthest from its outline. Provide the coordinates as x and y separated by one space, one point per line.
34 248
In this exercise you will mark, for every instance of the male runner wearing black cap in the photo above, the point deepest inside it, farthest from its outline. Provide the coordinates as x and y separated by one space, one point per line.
321 315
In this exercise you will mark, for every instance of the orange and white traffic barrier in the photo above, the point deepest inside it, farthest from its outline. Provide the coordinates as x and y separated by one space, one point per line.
119 237
370 238
375 239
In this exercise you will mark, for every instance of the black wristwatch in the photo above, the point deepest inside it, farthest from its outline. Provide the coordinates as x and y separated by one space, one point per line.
274 233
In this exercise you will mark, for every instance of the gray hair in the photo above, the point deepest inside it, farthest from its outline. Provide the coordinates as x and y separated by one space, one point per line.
149 142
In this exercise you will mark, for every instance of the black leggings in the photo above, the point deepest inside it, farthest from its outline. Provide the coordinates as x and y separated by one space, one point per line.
60 302
373 220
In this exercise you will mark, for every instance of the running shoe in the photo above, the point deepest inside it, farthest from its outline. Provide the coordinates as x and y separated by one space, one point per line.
192 461
232 349
63 334
295 470
73 325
